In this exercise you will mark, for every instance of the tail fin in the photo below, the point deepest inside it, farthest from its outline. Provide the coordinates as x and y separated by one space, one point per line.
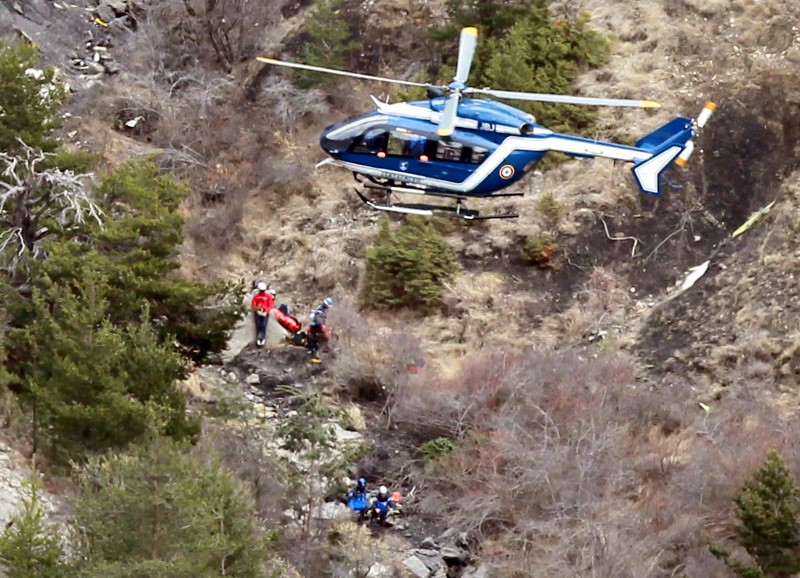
672 142
647 172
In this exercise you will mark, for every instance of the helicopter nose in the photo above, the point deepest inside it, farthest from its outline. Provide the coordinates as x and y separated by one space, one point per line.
333 147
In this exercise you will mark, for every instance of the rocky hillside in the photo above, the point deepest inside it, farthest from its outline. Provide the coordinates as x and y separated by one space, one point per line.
658 401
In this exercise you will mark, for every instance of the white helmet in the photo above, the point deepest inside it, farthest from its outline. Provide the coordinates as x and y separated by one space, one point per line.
328 302
272 292
261 286
382 490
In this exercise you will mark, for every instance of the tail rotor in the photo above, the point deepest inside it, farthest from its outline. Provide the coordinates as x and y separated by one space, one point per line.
697 126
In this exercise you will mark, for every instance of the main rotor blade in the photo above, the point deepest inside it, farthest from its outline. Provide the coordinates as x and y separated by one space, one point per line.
466 50
447 122
562 98
339 72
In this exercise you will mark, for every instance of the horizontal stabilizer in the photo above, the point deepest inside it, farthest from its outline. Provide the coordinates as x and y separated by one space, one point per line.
677 131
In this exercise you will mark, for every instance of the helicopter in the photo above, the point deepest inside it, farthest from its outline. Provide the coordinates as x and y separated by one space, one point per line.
456 147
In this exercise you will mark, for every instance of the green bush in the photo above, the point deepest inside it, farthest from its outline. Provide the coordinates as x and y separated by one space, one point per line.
436 449
407 268
29 105
550 208
160 512
539 250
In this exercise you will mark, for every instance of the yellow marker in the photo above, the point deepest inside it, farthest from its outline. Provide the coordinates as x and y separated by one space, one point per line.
471 30
100 22
649 104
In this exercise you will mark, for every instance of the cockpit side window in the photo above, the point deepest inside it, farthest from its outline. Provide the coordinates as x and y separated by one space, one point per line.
373 141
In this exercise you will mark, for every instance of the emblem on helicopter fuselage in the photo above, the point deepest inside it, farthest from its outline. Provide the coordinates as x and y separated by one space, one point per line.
404 166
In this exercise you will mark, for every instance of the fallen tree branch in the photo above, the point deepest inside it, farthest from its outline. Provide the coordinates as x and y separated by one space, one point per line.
624 238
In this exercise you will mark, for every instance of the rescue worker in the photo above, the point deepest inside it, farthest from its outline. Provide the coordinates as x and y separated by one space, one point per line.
316 329
360 491
381 504
262 303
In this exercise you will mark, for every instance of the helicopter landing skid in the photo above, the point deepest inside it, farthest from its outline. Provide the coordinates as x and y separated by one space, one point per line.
456 212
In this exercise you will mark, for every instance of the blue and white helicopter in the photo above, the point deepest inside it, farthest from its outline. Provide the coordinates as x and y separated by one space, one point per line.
458 147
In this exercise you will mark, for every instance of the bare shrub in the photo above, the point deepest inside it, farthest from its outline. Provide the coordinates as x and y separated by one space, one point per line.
372 361
489 385
244 454
214 32
289 104
601 303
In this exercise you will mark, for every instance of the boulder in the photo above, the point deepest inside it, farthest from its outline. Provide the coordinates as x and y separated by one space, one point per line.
417 567
453 556
378 570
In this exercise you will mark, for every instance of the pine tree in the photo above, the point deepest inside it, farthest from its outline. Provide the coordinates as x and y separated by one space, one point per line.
29 102
29 548
329 42
407 268
543 54
767 508
136 250
93 385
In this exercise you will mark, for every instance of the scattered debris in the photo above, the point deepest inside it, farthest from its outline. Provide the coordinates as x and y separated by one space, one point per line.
694 275
134 121
752 220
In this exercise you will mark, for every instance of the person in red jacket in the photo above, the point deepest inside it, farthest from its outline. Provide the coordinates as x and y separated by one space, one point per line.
261 304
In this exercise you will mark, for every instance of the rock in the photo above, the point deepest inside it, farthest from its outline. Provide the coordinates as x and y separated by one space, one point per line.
428 543
431 559
481 571
353 418
105 13
344 436
453 556
332 511
253 379
264 411
120 7
417 567
378 570
111 66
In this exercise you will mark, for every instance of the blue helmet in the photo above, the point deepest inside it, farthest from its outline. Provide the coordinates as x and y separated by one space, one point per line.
328 302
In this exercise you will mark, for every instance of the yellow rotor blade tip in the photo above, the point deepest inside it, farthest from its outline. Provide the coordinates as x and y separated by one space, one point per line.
649 104
471 30
444 131
264 59
711 105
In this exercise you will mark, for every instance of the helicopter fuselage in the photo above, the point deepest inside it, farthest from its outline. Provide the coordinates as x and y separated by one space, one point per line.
492 147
